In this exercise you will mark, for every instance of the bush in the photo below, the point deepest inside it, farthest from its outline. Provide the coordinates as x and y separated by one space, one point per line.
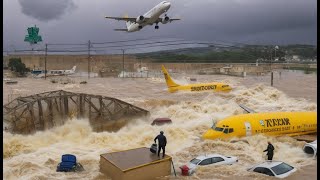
16 65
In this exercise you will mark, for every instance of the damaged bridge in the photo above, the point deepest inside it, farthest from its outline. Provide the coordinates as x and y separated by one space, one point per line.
26 115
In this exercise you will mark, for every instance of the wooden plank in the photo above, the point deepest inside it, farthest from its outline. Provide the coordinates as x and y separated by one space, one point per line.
101 106
50 115
30 107
66 106
89 105
41 120
73 100
104 107
25 109
94 107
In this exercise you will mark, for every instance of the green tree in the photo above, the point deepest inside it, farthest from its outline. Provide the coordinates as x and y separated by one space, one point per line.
16 65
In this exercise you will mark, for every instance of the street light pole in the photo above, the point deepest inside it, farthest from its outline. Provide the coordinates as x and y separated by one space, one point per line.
45 62
275 51
89 45
271 68
122 63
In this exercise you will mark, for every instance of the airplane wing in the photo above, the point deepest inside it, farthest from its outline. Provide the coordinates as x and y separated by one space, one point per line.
246 109
131 19
170 20
121 30
176 19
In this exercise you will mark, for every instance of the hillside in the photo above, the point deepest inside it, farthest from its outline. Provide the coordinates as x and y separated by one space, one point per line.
244 54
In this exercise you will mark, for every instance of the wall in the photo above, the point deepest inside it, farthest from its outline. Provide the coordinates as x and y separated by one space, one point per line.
97 62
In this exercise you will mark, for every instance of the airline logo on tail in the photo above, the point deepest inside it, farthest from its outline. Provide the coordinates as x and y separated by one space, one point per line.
172 86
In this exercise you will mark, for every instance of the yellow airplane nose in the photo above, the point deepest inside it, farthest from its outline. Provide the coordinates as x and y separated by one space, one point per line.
210 134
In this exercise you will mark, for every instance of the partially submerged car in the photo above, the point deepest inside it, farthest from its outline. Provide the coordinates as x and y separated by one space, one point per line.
311 148
212 159
278 169
69 164
161 121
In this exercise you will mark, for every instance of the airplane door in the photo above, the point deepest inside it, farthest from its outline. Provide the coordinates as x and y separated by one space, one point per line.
248 128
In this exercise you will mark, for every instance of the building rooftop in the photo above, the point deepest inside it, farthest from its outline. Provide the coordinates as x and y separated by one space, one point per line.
133 158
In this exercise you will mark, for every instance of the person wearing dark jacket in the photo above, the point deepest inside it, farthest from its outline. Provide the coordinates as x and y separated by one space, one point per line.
162 143
270 149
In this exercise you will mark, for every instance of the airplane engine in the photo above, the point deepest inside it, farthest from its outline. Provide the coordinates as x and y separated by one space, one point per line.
165 20
311 148
140 19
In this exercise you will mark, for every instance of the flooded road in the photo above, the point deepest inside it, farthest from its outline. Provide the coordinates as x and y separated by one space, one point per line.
36 156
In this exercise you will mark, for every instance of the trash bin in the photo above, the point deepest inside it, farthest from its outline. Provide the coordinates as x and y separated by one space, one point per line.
184 170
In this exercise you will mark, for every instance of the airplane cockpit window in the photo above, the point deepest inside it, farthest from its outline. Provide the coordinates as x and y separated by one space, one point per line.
217 128
228 130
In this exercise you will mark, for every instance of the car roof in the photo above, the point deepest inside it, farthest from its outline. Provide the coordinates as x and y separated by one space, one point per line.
268 164
162 119
208 156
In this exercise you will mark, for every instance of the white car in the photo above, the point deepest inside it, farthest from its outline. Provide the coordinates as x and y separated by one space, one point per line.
311 148
212 159
278 169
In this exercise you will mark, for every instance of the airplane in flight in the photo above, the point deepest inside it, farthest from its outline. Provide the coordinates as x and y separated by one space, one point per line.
268 123
41 73
214 86
151 17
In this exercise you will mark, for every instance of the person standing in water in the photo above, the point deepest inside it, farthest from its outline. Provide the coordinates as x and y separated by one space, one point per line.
270 150
162 143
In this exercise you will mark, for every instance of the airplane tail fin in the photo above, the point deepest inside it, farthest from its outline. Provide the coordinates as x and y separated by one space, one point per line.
128 23
169 81
74 68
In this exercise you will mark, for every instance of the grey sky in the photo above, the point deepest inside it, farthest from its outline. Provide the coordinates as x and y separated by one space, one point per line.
247 21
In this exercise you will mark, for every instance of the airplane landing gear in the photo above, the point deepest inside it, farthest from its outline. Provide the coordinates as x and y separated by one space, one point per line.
140 27
156 27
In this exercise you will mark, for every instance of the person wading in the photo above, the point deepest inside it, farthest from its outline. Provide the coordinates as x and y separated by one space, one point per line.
270 150
162 143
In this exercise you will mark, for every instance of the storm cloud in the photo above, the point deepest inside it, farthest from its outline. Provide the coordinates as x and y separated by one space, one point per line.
240 21
46 10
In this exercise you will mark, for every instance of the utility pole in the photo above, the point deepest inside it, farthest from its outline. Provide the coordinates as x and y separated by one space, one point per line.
45 62
89 45
122 63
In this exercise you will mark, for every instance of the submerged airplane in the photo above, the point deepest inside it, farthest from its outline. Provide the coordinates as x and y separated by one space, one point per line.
214 86
41 73
268 123
149 18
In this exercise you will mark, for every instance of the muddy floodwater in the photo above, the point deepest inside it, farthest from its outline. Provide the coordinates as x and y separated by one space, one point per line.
36 156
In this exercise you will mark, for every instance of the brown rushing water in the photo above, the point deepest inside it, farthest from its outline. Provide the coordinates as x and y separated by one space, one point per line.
36 156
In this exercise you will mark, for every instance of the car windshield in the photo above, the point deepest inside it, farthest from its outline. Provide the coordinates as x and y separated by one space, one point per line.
195 161
281 168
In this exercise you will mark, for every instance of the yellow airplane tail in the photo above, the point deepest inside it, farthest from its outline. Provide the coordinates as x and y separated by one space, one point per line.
169 81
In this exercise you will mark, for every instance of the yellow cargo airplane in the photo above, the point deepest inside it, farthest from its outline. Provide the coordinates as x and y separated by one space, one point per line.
214 86
268 123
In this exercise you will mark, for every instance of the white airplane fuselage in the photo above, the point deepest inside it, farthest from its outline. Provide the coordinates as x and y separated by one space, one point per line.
41 73
153 16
